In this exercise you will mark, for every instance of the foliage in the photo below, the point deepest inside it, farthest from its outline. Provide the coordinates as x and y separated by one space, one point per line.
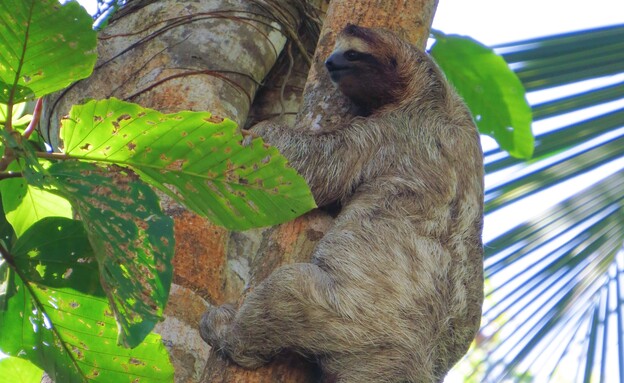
19 370
195 158
80 291
29 29
553 307
491 90
62 313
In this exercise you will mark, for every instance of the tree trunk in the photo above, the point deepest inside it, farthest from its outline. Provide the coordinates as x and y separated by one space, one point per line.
213 55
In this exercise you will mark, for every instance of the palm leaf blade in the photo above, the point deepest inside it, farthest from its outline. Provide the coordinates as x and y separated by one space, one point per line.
553 309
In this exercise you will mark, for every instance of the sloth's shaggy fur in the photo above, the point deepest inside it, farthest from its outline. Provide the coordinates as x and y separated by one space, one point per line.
394 291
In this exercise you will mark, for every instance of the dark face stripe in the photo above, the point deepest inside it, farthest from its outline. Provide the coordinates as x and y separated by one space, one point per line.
359 32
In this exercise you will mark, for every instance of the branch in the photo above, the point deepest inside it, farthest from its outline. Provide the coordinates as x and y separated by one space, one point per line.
7 256
5 176
7 158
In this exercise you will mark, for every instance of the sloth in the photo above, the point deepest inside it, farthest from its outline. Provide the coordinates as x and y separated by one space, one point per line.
395 287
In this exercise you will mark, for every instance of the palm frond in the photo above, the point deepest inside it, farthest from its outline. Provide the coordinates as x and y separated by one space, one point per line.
555 272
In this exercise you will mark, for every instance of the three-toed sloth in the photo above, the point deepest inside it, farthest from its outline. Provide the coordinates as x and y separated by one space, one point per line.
394 290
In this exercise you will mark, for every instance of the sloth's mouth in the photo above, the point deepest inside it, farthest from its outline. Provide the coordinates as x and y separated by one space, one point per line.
335 73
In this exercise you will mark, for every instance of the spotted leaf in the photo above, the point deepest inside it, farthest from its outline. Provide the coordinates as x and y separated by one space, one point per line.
196 158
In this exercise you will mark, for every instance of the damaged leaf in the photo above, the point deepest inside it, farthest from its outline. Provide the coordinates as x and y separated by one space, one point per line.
62 315
196 158
132 239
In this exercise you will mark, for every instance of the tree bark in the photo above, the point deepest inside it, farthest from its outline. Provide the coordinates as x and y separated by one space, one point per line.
214 55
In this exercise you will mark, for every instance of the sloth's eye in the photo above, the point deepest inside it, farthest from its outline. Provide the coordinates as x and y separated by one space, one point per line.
352 55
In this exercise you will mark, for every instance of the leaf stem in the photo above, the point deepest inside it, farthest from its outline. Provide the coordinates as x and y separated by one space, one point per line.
35 119
53 156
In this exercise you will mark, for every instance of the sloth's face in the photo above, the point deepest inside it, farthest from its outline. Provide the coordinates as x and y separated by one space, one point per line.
361 71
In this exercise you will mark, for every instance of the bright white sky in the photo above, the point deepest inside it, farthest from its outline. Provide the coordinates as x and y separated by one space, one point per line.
498 21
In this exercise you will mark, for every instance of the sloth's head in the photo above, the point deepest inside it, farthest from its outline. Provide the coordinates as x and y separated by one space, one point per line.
375 68
364 65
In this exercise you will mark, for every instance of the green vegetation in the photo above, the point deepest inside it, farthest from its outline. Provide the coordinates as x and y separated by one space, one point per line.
75 294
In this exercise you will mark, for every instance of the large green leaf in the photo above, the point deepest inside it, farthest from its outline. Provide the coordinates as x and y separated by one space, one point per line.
197 159
491 90
17 370
132 238
43 47
24 204
60 319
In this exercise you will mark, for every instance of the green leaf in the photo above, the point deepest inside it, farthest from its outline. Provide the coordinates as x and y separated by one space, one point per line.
196 159
132 239
6 230
551 272
45 47
18 370
491 90
18 116
24 328
63 257
24 204
70 334
32 169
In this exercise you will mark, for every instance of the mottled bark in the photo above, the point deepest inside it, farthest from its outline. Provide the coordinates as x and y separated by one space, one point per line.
184 55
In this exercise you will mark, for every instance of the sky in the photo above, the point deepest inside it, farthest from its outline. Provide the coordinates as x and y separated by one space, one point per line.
498 21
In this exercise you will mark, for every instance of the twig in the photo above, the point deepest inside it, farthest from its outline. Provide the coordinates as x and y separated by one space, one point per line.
5 176
8 257
7 158
53 156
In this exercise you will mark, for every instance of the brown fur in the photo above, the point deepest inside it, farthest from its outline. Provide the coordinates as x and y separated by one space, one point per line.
394 291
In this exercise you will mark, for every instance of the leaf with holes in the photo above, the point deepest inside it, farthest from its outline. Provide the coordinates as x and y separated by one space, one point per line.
197 159
45 46
491 90
132 238
62 316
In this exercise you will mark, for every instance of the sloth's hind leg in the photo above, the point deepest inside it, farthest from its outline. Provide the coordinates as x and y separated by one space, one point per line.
294 308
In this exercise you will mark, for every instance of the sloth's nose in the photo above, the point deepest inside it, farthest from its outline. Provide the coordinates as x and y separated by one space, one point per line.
329 63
